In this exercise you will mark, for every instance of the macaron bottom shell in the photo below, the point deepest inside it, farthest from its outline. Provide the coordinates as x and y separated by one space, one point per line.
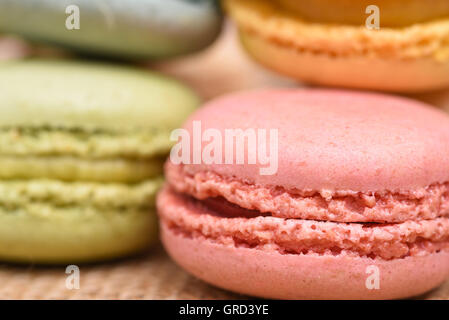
74 235
362 72
52 221
198 240
272 275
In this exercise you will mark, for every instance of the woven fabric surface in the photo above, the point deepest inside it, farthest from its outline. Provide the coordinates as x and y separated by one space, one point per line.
149 276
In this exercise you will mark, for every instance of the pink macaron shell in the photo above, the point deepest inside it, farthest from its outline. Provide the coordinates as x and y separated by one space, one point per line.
330 140
252 255
273 275
343 158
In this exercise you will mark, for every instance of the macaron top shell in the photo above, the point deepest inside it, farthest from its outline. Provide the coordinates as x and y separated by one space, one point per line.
124 29
394 13
89 95
331 140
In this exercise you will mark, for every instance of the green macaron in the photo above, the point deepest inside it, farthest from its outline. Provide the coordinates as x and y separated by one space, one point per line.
81 153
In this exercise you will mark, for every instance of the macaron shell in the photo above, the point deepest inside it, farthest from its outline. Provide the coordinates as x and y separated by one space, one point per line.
90 96
272 275
125 29
51 236
413 58
50 221
338 141
358 71
394 13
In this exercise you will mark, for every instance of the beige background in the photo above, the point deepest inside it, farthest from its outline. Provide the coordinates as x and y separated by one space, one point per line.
221 69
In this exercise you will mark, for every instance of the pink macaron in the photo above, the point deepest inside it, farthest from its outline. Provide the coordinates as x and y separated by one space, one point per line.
352 204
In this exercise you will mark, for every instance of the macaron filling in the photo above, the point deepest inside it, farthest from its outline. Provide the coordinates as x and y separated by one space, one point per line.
69 168
69 153
339 206
26 193
192 218
392 13
84 142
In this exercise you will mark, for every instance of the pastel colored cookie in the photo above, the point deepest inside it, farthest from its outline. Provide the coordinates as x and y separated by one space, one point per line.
124 29
393 13
81 152
360 188
327 42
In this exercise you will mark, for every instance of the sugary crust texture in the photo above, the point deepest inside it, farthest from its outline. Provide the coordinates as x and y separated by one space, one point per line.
328 140
266 19
340 206
394 13
355 71
193 219
288 276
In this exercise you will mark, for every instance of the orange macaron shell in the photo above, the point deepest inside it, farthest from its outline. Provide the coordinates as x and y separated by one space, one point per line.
410 58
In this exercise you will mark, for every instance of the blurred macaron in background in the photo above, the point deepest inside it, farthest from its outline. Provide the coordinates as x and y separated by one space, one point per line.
132 29
341 43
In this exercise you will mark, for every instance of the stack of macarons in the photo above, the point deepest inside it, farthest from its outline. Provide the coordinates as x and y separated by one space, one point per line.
357 208
81 153
82 144
334 42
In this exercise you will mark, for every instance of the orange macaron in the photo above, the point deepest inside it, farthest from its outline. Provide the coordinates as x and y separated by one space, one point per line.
328 42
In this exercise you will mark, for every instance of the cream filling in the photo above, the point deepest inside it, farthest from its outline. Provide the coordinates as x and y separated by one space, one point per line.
45 195
70 168
84 143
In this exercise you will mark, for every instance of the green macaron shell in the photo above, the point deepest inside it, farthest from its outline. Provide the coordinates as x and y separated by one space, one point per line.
49 235
125 29
90 97
49 221
81 152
